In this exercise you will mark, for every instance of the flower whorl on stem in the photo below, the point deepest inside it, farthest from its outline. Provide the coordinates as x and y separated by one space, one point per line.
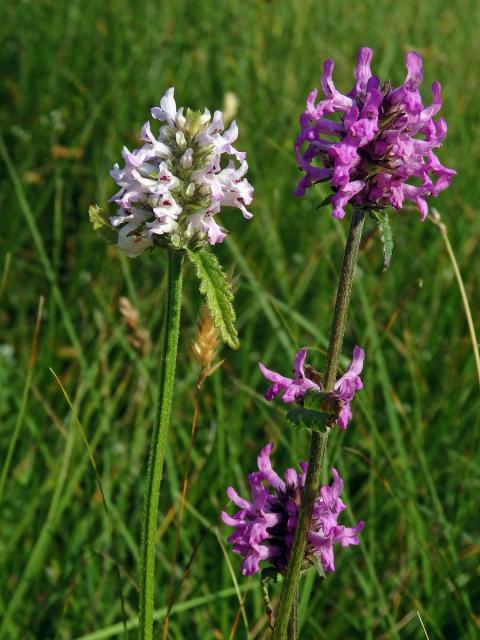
305 378
264 527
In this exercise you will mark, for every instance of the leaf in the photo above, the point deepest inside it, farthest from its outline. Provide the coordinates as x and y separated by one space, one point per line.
320 410
217 290
321 401
270 574
319 567
309 419
386 236
325 201
101 224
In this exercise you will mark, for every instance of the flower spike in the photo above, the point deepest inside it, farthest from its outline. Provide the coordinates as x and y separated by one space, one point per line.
384 141
173 187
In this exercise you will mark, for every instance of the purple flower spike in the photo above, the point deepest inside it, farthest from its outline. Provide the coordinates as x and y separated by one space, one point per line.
264 527
294 390
384 139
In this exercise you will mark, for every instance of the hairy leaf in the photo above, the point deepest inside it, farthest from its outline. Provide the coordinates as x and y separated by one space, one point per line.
386 236
322 401
217 290
309 419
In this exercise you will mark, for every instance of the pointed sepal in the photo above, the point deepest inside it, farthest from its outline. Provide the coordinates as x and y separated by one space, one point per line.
386 236
101 224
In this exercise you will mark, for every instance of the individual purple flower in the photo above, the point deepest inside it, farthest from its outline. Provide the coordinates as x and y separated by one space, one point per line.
264 526
173 187
347 385
293 390
384 139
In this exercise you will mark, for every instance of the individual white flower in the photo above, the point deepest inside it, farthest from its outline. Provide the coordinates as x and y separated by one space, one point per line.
130 240
205 223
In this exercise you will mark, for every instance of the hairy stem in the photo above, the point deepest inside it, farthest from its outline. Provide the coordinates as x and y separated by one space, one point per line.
186 475
158 444
319 440
293 622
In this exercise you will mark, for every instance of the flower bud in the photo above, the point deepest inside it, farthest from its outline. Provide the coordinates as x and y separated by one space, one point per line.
181 140
187 159
180 120
205 118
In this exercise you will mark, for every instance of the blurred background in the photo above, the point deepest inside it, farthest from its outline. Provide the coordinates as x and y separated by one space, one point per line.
78 79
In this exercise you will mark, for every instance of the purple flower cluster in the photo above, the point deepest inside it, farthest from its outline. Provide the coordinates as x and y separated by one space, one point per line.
293 390
173 186
372 151
264 527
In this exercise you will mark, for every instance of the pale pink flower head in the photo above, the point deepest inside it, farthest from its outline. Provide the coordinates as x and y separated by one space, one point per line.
174 186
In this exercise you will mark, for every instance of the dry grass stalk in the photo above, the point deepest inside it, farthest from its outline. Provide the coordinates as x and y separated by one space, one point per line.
139 337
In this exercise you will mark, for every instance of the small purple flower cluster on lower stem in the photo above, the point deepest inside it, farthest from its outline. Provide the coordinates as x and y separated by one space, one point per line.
380 152
265 525
294 389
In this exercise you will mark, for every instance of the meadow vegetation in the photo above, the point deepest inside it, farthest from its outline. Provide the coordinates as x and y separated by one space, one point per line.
77 80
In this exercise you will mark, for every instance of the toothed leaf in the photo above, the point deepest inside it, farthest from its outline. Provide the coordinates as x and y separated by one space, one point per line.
217 290
309 419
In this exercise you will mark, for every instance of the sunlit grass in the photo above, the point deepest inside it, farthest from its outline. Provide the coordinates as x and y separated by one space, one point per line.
78 78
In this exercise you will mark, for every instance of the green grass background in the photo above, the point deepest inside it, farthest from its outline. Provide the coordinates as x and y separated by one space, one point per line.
82 74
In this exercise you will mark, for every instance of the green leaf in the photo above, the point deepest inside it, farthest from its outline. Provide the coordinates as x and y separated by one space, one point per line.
217 290
101 224
386 236
325 201
321 401
320 410
309 419
270 574
319 567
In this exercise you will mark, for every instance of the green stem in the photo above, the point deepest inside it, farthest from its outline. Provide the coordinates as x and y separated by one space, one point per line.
293 622
319 440
158 444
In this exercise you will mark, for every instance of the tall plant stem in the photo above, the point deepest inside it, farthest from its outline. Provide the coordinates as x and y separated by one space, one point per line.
319 439
181 508
158 444
293 622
